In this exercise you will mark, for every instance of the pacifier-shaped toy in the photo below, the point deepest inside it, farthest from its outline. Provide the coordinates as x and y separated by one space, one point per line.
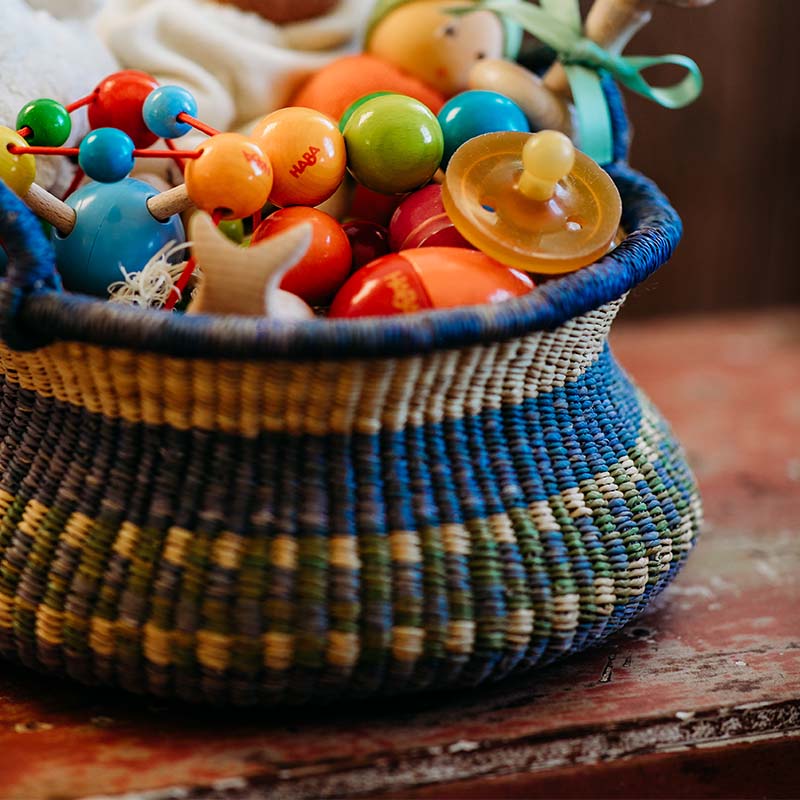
532 201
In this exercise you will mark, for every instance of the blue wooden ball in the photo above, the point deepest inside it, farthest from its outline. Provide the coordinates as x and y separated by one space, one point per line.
113 228
162 108
106 155
474 113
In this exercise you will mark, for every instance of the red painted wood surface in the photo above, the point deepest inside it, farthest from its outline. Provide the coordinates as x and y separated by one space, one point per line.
700 697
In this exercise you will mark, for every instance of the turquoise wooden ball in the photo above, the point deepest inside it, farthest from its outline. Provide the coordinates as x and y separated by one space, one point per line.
113 228
394 144
474 113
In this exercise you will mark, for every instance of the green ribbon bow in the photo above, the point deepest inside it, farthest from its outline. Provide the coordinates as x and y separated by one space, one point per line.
558 24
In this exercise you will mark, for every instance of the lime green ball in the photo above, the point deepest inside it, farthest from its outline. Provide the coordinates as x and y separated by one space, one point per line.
394 144
48 120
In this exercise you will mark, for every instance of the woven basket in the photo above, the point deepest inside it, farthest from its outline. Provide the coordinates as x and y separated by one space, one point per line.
245 512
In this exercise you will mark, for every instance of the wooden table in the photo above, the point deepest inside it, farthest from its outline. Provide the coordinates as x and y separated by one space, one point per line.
699 697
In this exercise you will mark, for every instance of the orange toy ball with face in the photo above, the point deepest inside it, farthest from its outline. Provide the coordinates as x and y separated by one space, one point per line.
326 265
336 87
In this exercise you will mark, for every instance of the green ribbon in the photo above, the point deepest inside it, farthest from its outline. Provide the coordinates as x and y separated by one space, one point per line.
558 24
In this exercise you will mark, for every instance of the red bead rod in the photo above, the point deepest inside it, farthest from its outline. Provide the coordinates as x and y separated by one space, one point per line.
84 101
197 124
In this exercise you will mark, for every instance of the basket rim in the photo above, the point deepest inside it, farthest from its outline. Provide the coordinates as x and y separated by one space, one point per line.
654 231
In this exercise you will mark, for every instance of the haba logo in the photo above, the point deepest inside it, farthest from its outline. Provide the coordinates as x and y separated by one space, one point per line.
308 159
404 296
255 159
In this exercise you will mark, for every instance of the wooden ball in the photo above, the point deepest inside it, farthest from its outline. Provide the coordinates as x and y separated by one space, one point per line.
326 265
307 153
394 144
232 177
336 87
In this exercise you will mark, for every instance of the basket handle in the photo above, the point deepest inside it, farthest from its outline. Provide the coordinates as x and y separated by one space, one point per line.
31 268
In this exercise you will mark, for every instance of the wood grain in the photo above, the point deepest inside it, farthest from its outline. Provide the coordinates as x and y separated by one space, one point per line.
730 162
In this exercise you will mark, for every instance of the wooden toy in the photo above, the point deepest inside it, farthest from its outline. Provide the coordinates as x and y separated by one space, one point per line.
327 261
44 123
422 38
426 278
421 221
612 24
17 171
307 153
117 102
544 109
532 201
106 155
232 176
394 144
112 227
571 98
245 280
165 110
475 112
368 241
335 87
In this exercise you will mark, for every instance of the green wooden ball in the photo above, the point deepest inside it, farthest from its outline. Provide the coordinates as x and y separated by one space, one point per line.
394 144
49 121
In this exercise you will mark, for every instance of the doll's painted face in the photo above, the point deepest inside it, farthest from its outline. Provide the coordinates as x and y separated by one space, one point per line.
282 11
440 49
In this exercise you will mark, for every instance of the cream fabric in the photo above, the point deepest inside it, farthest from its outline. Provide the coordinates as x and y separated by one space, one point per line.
238 65
47 57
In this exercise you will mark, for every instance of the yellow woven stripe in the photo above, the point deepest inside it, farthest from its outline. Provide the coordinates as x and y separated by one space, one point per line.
308 397
343 649
278 650
6 611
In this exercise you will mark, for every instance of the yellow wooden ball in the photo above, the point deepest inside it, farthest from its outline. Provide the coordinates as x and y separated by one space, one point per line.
17 172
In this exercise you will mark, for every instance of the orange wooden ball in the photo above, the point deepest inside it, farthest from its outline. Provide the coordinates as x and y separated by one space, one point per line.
334 88
307 153
326 265
232 176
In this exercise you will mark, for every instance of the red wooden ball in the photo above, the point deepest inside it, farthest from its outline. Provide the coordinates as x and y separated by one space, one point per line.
118 101
326 265
421 221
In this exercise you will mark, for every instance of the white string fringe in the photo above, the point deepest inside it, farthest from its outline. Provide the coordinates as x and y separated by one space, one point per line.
152 286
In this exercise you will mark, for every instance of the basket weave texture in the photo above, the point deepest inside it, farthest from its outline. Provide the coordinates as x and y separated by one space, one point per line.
248 512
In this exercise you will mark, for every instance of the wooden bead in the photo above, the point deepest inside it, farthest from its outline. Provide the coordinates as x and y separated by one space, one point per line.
337 86
326 265
17 172
307 153
394 144
48 121
232 177
118 102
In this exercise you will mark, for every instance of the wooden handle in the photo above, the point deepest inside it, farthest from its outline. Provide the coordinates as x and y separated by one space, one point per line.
610 23
173 201
50 209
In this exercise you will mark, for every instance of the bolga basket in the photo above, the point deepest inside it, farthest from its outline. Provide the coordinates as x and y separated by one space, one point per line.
245 512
